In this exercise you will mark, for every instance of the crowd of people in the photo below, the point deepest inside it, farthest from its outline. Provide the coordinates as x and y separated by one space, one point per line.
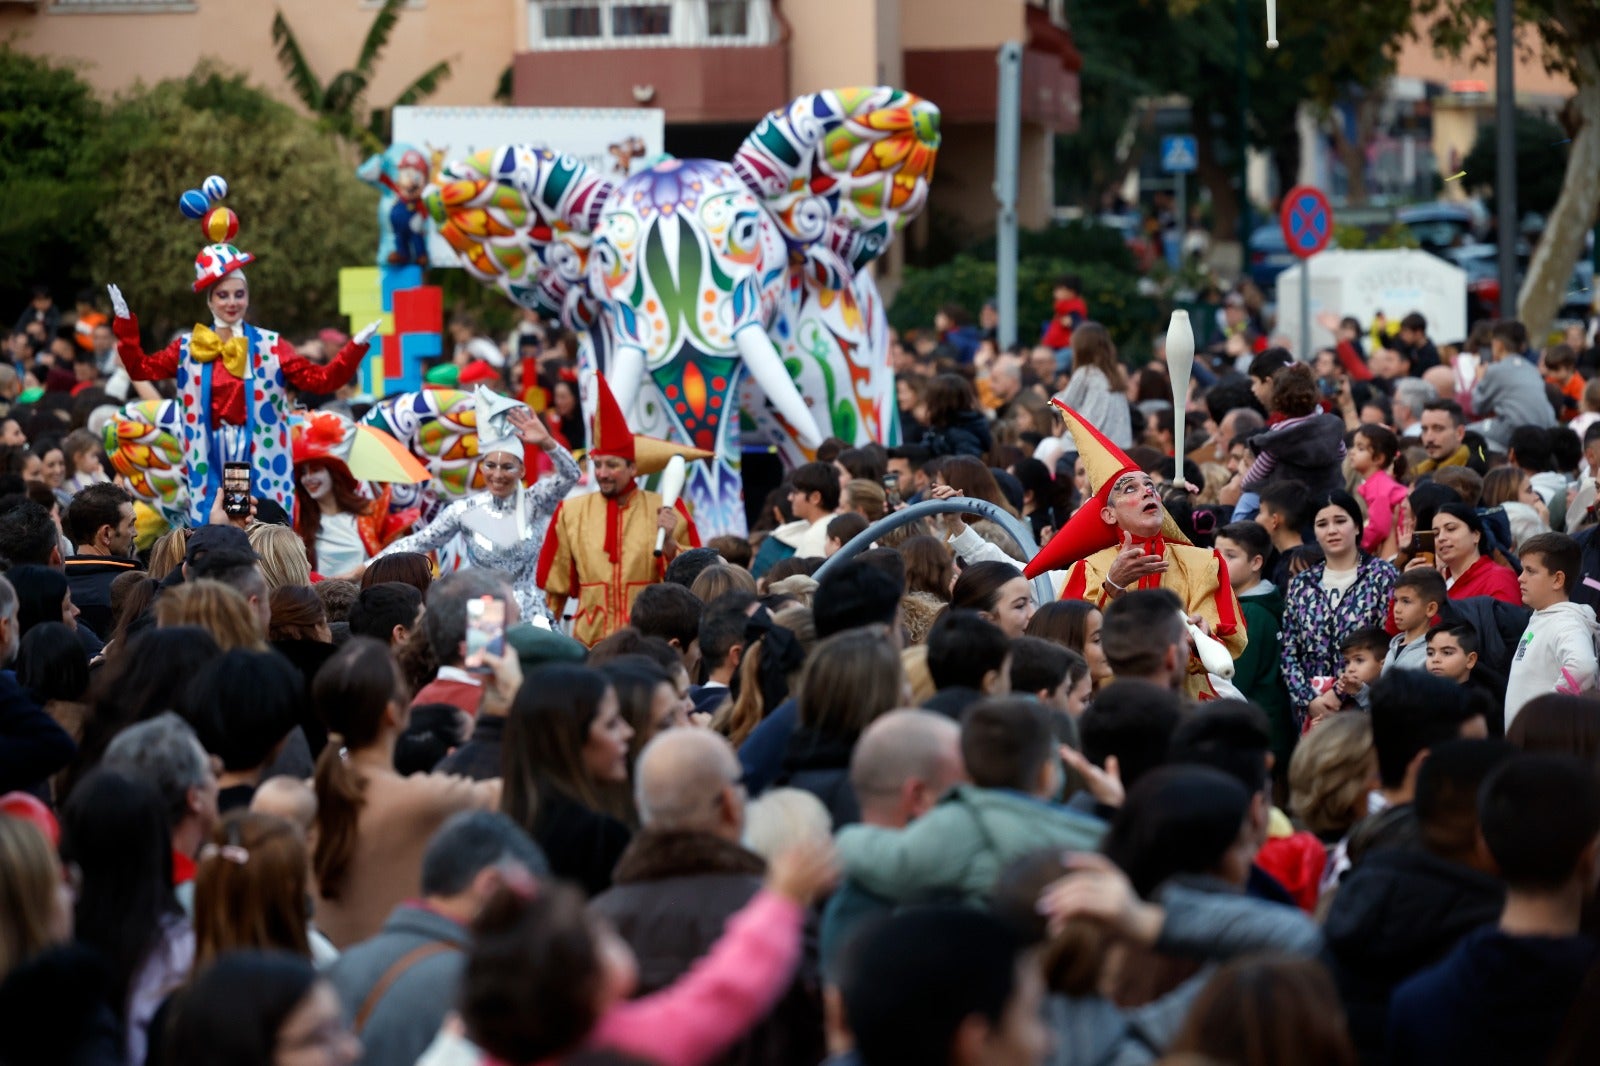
1283 750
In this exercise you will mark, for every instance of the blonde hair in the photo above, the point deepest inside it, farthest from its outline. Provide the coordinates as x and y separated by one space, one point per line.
719 578
283 556
783 817
918 612
29 883
1330 771
215 607
867 498
166 555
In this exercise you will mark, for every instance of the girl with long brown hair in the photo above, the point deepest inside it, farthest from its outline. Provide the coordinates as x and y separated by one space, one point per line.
564 758
1098 387
372 823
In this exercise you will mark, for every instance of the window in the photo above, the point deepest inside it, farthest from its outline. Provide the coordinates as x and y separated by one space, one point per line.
567 21
641 20
581 24
727 18
103 7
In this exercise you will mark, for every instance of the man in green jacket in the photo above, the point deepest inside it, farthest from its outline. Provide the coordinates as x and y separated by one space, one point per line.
957 849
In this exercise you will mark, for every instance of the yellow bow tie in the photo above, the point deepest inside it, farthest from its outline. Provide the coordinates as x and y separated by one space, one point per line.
205 345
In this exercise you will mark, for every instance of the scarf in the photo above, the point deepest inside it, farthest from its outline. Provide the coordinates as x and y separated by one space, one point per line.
1456 458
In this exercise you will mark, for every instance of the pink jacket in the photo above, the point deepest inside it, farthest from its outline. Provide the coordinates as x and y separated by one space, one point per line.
720 999
1382 494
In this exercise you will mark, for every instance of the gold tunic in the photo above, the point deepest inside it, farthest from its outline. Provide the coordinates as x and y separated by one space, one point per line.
605 550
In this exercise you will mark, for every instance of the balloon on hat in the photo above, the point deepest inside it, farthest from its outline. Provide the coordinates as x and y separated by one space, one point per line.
193 204
221 225
214 187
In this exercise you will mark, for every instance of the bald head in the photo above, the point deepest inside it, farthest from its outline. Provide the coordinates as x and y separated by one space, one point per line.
903 763
688 780
289 798
1442 378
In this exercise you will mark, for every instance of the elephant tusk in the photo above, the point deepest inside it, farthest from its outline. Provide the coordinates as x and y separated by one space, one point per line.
766 366
625 374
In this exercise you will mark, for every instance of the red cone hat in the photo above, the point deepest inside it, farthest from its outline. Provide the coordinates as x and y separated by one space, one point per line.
1086 532
613 437
610 434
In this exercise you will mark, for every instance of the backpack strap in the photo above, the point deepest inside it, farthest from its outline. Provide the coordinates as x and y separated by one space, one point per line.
397 970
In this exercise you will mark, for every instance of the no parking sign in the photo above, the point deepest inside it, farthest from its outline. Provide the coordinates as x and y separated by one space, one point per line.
1307 221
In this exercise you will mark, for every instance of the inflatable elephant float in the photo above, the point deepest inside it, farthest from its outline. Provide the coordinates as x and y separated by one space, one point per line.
725 302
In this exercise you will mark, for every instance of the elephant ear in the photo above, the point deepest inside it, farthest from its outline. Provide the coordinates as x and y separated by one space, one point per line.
841 172
521 219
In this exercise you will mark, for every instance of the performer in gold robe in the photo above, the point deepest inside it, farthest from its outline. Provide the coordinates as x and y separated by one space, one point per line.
601 547
1123 539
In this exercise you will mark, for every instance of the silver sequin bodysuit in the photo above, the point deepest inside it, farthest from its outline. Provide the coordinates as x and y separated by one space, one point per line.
493 536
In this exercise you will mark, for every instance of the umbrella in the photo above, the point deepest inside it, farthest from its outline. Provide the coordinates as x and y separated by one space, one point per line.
376 456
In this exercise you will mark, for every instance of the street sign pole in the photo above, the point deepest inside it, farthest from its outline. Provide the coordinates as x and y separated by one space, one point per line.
1007 139
1305 309
1183 213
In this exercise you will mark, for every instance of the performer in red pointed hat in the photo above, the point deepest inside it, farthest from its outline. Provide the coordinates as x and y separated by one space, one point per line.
601 547
1122 539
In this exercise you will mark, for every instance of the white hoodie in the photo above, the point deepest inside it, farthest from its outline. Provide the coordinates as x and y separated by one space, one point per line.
808 539
1556 654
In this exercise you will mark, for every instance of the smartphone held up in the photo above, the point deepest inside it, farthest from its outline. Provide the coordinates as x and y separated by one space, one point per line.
486 632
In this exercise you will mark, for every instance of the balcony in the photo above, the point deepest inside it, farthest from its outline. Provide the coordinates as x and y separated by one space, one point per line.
702 61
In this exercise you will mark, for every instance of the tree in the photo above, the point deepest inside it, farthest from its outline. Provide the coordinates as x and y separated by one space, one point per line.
1569 37
50 185
339 103
303 212
1541 158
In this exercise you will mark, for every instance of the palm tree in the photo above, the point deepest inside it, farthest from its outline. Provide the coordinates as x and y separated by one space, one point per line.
339 103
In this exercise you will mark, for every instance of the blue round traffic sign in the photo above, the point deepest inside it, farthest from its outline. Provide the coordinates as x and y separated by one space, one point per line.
1307 221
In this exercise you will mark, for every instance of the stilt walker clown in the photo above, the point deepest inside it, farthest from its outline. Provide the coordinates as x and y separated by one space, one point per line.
232 377
601 546
1122 539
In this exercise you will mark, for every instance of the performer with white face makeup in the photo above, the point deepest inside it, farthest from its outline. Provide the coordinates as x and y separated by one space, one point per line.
504 526
233 378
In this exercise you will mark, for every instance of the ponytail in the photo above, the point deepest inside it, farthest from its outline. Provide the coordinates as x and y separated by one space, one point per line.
340 797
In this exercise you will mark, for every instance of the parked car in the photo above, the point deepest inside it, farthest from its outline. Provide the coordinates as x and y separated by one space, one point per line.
1269 256
1482 264
1440 226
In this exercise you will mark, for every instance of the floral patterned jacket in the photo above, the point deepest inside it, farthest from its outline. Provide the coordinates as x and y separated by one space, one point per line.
1316 619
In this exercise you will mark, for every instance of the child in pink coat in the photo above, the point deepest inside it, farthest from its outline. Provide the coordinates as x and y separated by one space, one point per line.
1373 452
545 977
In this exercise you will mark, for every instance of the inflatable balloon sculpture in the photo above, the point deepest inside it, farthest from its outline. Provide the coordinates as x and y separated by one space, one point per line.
693 277
402 173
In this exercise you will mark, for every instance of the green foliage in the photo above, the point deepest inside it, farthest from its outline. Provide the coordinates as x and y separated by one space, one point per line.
1541 163
1081 242
50 183
341 104
1112 295
1354 237
303 213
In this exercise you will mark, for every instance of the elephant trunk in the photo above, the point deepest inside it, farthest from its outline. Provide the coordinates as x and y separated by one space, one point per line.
764 363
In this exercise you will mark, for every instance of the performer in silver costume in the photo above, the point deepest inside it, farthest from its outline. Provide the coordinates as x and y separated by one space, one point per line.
503 527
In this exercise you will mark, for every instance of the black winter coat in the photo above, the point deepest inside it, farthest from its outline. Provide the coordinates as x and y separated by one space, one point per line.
672 895
1397 913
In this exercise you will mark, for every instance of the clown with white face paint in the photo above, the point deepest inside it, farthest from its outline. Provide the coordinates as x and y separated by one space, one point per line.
233 378
504 526
1123 539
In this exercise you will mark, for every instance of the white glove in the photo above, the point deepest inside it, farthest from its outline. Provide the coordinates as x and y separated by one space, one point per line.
119 306
366 333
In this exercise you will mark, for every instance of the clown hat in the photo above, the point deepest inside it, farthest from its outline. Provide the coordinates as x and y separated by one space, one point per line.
1086 532
610 435
323 437
219 257
492 417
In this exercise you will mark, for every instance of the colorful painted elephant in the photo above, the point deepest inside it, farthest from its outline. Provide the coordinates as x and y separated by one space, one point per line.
720 300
